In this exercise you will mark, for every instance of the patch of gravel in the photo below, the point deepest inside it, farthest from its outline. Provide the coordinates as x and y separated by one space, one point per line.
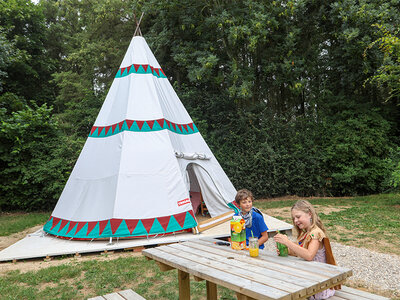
373 271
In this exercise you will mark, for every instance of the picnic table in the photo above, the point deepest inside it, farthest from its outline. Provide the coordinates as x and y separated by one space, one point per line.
267 276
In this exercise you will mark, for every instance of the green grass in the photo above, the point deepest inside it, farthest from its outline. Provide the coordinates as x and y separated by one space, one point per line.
15 222
371 221
91 278
366 221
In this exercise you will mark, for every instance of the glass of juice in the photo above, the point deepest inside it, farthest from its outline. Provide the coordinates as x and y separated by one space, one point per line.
253 246
283 250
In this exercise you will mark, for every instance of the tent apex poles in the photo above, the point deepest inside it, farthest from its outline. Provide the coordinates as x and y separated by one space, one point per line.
138 32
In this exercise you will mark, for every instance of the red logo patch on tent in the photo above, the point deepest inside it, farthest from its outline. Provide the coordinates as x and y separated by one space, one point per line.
131 224
115 224
140 124
183 202
150 123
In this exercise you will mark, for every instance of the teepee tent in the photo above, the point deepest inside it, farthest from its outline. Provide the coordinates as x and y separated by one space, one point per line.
142 160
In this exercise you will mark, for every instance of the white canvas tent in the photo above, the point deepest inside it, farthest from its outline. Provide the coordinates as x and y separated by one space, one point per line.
142 157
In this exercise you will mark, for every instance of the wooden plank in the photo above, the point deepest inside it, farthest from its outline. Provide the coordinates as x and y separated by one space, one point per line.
235 283
164 267
298 275
366 295
211 290
131 295
315 267
212 222
254 273
113 296
240 296
184 285
349 296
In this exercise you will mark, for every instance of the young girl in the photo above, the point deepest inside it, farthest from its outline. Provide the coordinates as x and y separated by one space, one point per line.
253 217
312 242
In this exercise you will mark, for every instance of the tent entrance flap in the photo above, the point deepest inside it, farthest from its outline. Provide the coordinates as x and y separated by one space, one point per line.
205 195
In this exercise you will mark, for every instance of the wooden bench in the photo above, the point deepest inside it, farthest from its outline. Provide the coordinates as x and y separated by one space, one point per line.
354 294
121 295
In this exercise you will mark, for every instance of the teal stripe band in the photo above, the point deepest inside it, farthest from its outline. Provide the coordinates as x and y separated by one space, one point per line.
140 69
142 126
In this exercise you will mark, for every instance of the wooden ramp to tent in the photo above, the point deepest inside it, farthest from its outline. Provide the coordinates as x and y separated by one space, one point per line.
42 245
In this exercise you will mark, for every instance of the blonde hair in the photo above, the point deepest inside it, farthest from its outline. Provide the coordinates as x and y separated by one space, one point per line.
305 206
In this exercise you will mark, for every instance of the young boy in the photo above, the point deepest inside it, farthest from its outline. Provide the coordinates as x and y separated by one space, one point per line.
253 217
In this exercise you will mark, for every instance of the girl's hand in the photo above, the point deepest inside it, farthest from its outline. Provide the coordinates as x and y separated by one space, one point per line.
281 238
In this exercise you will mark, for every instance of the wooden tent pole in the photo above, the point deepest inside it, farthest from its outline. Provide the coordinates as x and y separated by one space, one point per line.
138 31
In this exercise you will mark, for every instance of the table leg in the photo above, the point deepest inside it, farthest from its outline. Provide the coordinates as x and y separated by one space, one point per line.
243 297
184 285
211 290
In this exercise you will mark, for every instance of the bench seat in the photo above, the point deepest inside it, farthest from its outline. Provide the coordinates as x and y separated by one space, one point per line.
121 295
347 293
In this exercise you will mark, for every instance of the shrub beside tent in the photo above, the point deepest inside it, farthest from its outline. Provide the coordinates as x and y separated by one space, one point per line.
141 163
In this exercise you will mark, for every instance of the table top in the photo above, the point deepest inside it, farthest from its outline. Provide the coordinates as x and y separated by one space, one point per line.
267 276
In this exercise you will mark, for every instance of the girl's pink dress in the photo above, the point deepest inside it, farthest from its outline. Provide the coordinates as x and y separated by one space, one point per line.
321 257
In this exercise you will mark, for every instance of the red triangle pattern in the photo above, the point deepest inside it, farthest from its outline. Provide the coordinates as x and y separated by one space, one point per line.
102 225
128 68
122 70
157 71
180 218
147 223
150 123
131 224
80 225
115 224
71 225
129 123
63 223
160 122
140 124
55 222
113 127
164 221
91 225
145 67
136 67
163 72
